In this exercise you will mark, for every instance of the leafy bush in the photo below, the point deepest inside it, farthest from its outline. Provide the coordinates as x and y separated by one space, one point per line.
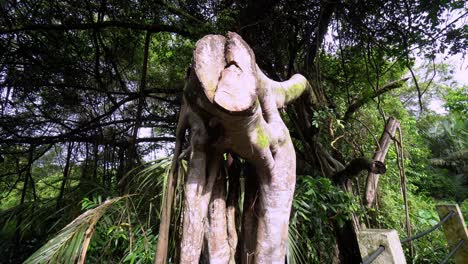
317 204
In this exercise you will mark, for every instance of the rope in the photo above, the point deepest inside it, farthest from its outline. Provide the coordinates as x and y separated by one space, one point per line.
447 217
374 255
454 250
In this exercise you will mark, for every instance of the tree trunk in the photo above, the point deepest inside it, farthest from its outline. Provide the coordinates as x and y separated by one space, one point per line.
234 108
384 143
132 147
19 217
95 160
216 231
234 170
347 242
66 171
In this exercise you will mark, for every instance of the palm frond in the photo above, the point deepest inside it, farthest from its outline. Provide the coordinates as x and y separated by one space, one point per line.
294 251
148 181
71 242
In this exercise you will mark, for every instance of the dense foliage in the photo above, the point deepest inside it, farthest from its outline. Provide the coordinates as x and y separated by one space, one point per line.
90 92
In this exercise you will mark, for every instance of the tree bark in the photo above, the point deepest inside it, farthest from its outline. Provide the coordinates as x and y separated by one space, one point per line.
197 187
216 232
234 170
384 143
234 108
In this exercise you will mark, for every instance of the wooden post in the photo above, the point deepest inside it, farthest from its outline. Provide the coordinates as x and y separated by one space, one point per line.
371 239
455 230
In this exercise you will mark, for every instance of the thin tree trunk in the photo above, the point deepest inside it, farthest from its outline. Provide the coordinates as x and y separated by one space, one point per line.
66 171
105 159
112 167
121 168
216 232
202 174
141 102
95 160
132 141
19 217
33 188
384 144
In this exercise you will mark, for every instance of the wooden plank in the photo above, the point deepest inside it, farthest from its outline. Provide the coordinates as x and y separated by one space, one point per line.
455 230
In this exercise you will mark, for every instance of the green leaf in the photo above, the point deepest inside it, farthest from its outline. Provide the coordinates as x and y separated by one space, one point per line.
65 247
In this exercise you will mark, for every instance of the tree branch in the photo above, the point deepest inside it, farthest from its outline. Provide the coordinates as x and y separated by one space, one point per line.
87 139
359 103
327 8
287 91
153 28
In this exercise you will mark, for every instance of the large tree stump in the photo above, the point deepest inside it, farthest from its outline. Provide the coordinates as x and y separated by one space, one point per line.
231 106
